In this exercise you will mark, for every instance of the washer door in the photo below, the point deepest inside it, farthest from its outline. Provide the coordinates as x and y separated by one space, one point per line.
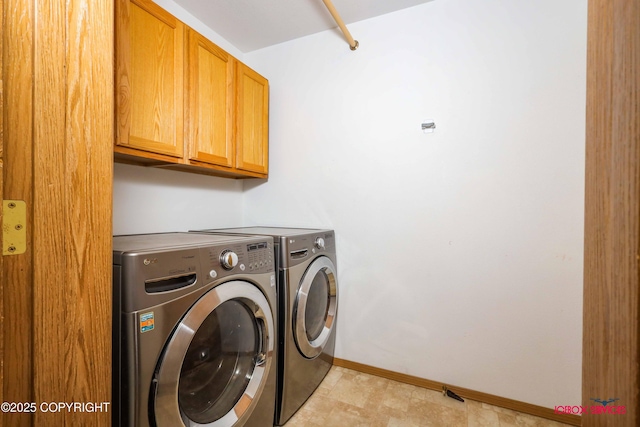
215 364
315 307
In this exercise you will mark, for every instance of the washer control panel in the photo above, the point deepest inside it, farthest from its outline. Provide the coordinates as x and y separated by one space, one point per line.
254 257
260 257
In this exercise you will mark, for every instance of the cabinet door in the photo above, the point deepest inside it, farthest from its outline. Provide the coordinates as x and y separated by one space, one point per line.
209 102
252 121
150 55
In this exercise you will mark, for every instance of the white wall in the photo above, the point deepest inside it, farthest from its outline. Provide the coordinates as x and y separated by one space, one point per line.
150 200
460 252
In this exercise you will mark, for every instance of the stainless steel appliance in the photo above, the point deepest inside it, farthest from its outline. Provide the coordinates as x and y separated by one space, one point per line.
308 302
194 327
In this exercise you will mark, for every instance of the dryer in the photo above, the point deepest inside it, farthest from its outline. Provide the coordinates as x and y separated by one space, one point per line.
308 302
193 330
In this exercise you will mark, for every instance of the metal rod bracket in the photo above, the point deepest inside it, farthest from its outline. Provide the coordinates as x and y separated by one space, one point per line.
353 44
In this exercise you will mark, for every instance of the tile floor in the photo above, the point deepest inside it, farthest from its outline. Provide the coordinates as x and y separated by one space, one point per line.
348 398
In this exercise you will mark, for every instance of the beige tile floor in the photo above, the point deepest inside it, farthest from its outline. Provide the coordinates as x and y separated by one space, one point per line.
348 398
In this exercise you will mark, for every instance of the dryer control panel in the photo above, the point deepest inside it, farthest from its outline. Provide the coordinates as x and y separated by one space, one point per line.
300 248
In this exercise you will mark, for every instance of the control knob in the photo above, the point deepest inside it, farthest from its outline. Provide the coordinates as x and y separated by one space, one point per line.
320 243
228 259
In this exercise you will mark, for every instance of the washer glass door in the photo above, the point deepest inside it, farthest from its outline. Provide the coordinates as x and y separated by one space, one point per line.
315 307
215 364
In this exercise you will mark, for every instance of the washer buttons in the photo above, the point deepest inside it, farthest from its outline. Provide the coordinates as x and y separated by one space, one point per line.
213 274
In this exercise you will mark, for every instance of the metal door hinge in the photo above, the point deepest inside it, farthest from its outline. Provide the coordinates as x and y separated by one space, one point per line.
14 229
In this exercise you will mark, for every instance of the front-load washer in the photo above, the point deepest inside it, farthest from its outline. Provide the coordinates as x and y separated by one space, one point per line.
308 302
194 330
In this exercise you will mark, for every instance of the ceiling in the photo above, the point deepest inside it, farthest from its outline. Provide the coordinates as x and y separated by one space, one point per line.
254 24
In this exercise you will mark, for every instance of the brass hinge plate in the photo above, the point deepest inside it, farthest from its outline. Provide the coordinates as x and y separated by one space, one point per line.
14 227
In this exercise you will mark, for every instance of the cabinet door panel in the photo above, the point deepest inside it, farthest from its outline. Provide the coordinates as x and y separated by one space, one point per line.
252 115
210 102
153 81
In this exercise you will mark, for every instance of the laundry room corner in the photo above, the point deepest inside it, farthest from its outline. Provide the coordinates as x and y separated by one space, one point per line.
460 251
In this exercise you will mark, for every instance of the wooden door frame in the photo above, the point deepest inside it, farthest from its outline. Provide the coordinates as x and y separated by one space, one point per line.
612 212
1 198
57 137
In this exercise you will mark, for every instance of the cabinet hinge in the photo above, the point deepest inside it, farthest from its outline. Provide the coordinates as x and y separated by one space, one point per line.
14 227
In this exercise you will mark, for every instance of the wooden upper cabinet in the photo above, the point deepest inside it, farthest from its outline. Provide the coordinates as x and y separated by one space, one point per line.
184 103
252 120
209 102
149 80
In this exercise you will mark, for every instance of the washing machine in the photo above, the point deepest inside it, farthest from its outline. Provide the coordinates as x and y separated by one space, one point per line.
308 302
194 330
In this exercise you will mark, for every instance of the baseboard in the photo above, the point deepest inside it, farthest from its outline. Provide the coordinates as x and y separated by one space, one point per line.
503 402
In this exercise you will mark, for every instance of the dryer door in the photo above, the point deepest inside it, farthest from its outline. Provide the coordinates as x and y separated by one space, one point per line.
315 307
215 363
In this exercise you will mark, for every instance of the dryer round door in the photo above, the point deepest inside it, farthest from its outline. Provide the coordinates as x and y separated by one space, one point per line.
215 363
315 307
